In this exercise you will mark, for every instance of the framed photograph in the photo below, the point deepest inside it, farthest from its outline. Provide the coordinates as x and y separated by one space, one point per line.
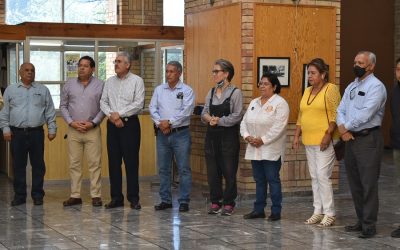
305 77
280 66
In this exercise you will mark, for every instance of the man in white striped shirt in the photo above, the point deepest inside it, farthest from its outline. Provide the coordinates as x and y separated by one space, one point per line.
121 101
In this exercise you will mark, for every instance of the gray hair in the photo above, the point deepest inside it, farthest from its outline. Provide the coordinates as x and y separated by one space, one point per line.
126 55
226 66
177 64
371 56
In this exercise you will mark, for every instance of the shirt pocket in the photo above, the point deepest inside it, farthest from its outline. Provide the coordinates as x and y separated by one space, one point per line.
178 103
16 100
359 101
38 99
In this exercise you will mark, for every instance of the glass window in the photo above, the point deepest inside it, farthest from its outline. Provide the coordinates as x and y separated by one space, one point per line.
75 11
55 92
47 65
173 12
90 11
19 11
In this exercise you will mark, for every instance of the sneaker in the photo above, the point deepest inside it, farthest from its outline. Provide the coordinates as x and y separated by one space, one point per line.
214 208
227 210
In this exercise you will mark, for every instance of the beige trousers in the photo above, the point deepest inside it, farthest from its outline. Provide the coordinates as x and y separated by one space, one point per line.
88 143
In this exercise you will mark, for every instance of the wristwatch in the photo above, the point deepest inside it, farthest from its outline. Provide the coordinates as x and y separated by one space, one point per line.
94 124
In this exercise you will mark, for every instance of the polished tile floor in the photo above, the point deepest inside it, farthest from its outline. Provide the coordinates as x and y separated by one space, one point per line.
84 227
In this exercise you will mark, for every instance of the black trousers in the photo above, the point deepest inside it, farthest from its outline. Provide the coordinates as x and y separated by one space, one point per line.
222 159
363 163
22 144
124 144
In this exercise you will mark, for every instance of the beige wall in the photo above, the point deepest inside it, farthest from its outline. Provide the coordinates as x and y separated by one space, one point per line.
210 35
56 151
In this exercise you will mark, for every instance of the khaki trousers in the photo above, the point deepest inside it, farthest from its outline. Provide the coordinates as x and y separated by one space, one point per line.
88 143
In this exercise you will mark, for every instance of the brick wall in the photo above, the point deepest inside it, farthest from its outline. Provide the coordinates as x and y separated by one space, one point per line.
396 29
130 12
294 173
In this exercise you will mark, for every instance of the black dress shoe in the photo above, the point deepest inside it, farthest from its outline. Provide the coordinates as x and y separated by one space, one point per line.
368 233
136 205
183 207
38 201
354 228
162 206
274 217
254 215
396 233
17 202
114 204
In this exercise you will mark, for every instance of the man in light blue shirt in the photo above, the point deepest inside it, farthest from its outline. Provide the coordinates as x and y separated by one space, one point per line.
359 117
170 108
27 107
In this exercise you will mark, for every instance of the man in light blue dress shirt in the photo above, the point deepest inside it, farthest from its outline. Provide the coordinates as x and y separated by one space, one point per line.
27 107
359 118
170 108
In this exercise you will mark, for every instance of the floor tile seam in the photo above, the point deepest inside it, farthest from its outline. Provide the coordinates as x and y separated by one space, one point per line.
1 244
129 233
55 230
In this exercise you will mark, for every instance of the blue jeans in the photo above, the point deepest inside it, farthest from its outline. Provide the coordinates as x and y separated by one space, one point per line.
176 144
266 173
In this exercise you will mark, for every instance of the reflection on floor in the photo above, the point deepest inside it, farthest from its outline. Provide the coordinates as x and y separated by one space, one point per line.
84 227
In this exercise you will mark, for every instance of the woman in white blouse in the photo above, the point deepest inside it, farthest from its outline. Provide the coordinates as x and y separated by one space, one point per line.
264 129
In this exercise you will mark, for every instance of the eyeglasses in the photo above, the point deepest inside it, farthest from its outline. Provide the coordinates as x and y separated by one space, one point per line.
215 71
264 84
117 61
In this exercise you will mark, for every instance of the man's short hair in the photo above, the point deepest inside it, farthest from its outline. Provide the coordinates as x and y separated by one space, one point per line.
371 56
398 61
177 64
90 59
126 55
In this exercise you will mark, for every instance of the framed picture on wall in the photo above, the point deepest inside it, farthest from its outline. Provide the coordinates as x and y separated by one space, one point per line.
305 77
280 66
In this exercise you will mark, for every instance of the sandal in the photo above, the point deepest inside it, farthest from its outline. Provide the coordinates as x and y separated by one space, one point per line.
327 221
314 219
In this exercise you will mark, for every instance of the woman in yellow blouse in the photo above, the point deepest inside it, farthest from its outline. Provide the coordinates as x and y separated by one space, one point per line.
317 127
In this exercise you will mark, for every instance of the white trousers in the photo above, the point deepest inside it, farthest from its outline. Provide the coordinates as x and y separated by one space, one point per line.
320 165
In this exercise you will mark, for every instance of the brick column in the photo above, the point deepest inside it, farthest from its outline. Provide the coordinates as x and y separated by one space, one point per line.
140 12
2 11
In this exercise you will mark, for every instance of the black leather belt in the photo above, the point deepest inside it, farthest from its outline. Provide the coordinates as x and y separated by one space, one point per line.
178 129
125 119
364 132
26 129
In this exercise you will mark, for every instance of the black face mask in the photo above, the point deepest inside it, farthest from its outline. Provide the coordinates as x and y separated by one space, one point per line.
358 71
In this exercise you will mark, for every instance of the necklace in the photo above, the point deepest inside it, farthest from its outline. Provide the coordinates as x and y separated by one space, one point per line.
308 100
